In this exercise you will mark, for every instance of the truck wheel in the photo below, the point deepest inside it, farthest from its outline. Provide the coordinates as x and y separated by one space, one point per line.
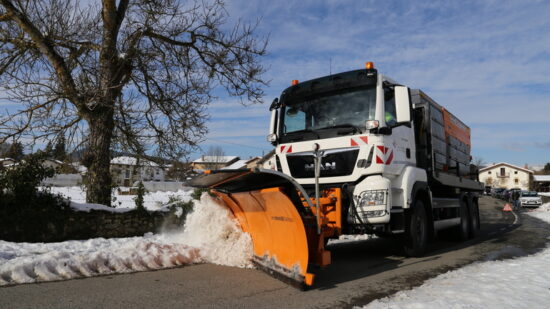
462 231
416 232
474 219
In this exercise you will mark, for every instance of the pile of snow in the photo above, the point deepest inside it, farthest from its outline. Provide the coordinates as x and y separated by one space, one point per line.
210 235
152 201
517 283
351 238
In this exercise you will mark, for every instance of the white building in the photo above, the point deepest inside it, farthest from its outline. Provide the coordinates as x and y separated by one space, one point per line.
6 162
507 176
213 162
128 170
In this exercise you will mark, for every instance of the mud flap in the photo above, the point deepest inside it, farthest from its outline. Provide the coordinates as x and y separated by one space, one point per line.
260 201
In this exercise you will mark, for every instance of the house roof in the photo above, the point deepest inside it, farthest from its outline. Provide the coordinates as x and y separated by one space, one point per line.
541 178
216 159
506 164
236 165
126 160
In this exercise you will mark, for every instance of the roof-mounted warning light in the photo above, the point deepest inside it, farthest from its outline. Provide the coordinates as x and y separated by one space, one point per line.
369 65
295 82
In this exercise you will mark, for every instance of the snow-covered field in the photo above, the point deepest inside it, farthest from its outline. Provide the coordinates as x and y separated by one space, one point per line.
210 235
153 201
517 283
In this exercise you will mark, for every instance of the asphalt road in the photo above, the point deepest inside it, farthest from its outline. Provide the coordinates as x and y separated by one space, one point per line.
360 272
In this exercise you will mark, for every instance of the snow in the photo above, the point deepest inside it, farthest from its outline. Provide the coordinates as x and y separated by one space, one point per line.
215 159
153 201
210 235
515 283
544 178
237 165
125 160
350 238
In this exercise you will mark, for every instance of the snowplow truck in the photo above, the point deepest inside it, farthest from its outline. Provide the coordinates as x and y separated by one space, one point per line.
355 153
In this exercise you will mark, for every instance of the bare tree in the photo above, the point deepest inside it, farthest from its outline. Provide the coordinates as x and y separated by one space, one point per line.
479 162
216 156
136 75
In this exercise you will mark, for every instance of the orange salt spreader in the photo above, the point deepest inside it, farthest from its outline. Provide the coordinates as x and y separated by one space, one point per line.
287 230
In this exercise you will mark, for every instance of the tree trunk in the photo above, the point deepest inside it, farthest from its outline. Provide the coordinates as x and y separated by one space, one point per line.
98 189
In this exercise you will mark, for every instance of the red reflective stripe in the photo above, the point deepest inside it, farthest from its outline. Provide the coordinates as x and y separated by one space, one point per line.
353 143
289 149
283 148
390 158
379 160
365 139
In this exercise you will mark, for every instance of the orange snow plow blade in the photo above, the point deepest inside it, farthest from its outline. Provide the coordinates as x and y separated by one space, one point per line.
268 207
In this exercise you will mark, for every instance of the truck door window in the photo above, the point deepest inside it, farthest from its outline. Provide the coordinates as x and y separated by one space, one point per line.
389 106
295 120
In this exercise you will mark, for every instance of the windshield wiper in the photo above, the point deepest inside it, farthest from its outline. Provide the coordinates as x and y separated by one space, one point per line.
343 125
297 138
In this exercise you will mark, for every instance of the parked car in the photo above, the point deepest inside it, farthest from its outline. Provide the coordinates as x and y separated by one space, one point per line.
495 192
529 199
504 195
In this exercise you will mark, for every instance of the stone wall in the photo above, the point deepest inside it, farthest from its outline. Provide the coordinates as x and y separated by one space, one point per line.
60 225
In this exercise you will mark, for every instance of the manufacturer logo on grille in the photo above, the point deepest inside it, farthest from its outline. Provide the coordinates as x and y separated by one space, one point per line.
325 166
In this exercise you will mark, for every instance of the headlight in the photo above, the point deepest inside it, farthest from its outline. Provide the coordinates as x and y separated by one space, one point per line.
372 198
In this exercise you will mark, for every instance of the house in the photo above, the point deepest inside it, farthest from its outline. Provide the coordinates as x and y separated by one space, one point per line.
507 176
128 170
213 162
5 162
268 161
55 164
541 183
243 164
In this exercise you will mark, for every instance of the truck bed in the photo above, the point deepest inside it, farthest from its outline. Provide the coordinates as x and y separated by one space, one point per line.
443 144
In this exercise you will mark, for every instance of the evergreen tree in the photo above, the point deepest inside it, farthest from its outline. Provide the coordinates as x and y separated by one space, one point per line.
59 152
547 167
48 151
15 151
139 197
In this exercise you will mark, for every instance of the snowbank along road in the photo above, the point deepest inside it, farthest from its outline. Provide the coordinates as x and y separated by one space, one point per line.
362 271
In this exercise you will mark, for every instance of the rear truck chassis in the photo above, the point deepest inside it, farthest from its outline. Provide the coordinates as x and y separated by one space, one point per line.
289 229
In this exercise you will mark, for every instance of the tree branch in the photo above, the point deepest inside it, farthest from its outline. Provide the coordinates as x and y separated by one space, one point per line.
45 47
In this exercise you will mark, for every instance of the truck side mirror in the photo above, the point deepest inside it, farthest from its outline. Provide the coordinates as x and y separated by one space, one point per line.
402 104
272 136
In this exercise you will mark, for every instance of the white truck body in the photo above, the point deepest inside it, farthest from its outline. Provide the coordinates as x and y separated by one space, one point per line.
379 166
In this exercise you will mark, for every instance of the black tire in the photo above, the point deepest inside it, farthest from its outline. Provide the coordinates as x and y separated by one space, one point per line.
474 219
415 239
462 231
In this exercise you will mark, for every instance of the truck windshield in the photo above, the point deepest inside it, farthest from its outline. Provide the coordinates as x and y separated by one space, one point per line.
349 108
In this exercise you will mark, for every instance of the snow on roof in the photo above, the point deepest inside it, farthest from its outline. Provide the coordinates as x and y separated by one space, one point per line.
126 160
237 165
507 164
541 178
215 159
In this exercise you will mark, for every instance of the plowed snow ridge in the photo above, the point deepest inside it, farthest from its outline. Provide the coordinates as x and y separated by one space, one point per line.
210 235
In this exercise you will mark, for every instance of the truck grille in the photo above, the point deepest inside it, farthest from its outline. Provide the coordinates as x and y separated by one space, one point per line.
334 163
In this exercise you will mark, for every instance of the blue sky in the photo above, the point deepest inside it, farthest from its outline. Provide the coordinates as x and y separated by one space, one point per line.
488 62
